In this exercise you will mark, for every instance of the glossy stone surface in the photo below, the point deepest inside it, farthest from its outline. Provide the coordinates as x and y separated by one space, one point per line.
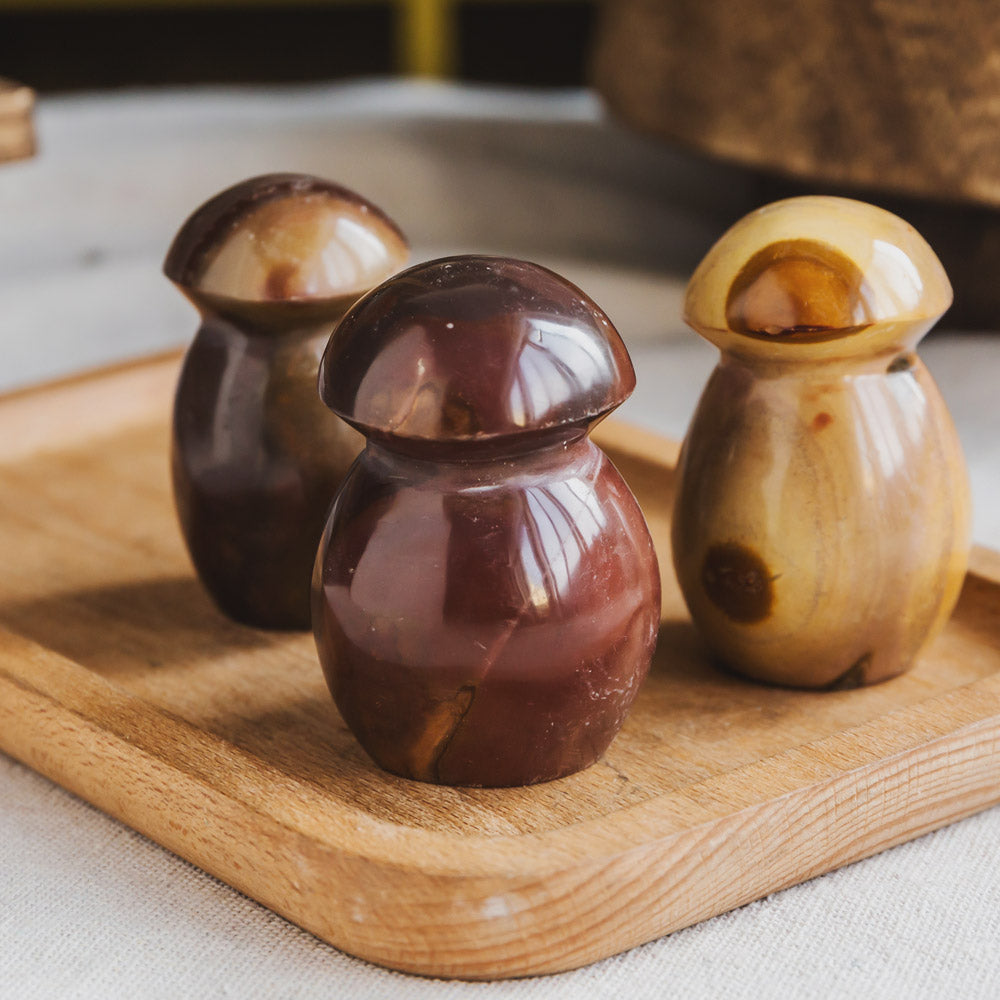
284 238
813 270
474 348
486 597
821 529
256 457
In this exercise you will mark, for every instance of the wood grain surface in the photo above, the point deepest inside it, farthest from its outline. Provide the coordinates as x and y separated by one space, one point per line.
120 681
890 96
894 103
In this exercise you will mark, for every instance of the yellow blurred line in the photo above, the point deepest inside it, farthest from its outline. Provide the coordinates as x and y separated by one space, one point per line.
426 37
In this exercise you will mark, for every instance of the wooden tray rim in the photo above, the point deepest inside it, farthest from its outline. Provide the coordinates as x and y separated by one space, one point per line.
921 766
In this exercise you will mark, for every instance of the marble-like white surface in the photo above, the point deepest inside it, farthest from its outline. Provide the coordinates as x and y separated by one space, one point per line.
90 909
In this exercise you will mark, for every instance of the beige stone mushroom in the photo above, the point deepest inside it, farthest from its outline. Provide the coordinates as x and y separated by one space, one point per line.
821 530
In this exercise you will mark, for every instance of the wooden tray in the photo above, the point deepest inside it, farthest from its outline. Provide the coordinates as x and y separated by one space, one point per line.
120 681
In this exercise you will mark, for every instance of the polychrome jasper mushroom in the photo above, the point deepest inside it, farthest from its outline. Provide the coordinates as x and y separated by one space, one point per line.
821 528
271 264
486 596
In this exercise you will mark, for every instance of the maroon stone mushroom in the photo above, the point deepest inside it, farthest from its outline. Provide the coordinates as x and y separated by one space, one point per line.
486 596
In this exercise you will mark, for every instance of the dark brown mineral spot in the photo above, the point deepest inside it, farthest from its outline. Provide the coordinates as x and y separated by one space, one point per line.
821 421
458 417
800 288
901 364
737 581
854 676
278 284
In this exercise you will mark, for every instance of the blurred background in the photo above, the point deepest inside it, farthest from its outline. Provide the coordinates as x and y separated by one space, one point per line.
611 141
60 45
897 103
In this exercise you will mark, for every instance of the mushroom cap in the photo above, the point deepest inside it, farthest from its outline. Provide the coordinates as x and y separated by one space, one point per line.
469 348
814 268
285 238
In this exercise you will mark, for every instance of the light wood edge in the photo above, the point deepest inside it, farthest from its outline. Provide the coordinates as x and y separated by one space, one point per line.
99 373
620 437
985 563
606 890
17 131
70 411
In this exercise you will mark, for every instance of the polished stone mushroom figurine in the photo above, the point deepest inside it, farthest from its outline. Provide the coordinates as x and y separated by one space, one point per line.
821 527
271 264
486 595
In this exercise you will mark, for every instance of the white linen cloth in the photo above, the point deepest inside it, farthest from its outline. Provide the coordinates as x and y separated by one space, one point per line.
90 909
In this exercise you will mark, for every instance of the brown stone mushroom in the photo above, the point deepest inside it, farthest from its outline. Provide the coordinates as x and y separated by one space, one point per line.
271 264
486 597
821 529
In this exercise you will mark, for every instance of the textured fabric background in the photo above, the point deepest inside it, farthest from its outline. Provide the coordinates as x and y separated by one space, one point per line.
90 909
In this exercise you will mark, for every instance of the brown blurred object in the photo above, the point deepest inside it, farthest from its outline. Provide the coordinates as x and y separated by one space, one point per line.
17 133
893 101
